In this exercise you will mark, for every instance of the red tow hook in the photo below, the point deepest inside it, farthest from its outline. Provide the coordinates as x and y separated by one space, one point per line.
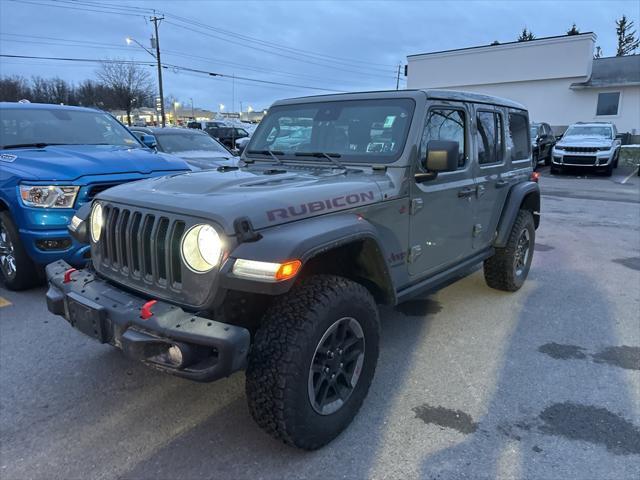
145 311
67 275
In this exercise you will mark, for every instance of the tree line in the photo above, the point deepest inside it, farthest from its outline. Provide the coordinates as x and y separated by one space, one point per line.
628 41
118 86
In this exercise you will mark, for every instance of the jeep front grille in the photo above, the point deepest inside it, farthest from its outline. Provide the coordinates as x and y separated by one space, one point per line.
142 246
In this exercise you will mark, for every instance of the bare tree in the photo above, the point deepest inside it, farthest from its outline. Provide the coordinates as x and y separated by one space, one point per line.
627 41
129 84
14 88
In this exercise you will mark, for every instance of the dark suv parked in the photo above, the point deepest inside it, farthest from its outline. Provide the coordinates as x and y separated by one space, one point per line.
542 142
278 266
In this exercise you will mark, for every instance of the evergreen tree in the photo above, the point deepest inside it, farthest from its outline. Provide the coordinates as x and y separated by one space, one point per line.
573 30
627 41
526 35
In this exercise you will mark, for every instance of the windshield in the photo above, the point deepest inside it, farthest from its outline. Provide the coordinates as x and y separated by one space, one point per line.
185 142
534 132
588 131
373 131
22 126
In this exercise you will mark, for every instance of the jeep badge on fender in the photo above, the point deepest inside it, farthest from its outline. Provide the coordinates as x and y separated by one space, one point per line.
341 203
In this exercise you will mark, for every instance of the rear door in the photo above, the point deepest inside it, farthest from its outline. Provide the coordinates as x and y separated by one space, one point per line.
503 145
440 232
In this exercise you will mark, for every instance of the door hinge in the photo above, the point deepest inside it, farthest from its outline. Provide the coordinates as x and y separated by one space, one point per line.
477 229
416 206
414 253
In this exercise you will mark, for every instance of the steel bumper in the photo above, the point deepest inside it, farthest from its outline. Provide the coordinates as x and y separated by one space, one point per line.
171 339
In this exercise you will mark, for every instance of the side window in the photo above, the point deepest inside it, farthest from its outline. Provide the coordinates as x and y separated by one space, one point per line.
518 139
490 137
445 124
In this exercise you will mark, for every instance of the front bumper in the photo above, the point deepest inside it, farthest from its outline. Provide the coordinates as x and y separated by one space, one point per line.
580 159
209 349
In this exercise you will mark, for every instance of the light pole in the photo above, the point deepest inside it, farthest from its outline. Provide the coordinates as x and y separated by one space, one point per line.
193 117
155 41
221 108
175 112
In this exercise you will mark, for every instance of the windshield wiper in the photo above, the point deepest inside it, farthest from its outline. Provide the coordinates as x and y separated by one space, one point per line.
29 145
269 152
332 157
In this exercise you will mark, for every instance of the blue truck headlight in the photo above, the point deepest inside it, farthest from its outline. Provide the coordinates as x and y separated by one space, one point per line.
201 248
97 221
48 196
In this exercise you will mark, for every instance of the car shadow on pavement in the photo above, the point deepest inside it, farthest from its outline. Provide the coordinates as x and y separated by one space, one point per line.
228 444
550 416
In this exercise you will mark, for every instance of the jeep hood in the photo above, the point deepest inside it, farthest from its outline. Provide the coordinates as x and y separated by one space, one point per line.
71 162
266 197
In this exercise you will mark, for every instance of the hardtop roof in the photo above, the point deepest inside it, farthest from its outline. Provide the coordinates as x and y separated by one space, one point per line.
431 94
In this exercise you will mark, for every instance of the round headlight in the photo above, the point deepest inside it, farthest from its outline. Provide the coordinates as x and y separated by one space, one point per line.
97 220
201 248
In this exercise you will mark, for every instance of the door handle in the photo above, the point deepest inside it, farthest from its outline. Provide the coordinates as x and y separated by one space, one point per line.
501 183
466 192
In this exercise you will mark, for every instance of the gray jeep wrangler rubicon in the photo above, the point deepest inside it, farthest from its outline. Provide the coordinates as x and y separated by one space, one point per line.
277 266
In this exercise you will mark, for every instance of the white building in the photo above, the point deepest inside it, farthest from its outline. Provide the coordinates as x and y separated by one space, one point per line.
556 78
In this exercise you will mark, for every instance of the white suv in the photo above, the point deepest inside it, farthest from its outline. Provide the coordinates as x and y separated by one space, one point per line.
593 145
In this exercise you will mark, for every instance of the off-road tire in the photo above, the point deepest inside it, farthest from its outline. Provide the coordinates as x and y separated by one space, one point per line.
284 346
556 170
26 274
499 270
608 171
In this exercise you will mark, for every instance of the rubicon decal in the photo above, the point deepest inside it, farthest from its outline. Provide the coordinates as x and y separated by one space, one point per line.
336 203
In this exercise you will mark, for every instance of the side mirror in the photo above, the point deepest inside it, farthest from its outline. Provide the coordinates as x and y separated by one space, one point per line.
149 141
442 156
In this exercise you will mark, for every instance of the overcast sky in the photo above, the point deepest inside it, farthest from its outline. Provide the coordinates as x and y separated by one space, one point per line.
334 45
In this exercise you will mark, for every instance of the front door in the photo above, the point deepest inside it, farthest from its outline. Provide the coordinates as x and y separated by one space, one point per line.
441 229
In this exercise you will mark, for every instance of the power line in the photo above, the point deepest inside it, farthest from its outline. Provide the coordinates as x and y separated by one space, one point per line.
80 43
166 65
128 11
248 38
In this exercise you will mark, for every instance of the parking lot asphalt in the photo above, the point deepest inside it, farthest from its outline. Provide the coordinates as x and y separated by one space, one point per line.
471 382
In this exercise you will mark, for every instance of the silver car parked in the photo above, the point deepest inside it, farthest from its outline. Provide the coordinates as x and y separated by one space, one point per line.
594 145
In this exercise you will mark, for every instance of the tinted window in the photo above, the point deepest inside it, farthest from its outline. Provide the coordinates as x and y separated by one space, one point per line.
608 103
490 142
518 141
445 124
357 130
62 126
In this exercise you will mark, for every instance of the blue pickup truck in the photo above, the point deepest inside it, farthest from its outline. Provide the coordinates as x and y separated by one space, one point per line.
53 159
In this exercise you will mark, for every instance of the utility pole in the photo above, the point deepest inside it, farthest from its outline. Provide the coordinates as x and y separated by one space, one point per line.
155 21
398 77
193 117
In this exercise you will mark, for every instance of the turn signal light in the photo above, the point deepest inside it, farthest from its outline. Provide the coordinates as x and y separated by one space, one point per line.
266 271
535 176
288 270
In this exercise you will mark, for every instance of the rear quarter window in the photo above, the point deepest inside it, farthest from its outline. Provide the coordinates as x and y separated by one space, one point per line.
518 136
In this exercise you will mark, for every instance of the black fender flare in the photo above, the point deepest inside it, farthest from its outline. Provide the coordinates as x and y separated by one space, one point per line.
304 240
525 193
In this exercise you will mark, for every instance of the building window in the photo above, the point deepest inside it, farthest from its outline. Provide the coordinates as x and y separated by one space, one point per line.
608 103
445 124
490 137
518 136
